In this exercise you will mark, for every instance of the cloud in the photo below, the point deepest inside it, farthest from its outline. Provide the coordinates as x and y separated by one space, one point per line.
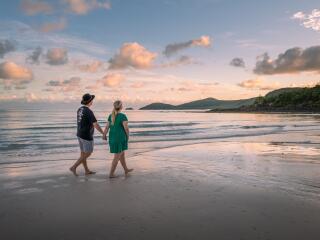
132 55
91 67
138 84
6 46
294 60
203 41
34 57
66 85
30 38
182 60
34 7
54 26
15 75
57 56
258 84
82 7
10 70
311 20
111 80
238 62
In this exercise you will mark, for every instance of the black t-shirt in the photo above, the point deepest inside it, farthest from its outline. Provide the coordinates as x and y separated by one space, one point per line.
85 120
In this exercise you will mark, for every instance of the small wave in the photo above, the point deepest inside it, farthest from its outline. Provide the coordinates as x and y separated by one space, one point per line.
155 125
262 126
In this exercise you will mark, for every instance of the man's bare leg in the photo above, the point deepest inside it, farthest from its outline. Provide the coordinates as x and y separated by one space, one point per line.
124 164
73 169
84 163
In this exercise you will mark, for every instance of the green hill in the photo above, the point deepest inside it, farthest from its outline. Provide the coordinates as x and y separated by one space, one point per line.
284 100
277 92
294 99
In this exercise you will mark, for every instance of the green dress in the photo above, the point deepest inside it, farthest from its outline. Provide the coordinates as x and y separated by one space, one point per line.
118 140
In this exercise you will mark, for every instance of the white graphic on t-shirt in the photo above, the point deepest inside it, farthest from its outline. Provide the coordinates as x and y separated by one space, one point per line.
80 114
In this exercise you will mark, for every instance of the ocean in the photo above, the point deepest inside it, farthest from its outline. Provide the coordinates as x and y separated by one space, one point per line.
38 135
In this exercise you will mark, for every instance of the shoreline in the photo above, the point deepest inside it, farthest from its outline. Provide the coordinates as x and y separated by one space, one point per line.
247 190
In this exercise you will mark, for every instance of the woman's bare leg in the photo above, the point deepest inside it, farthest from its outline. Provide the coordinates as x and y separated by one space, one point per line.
114 164
124 164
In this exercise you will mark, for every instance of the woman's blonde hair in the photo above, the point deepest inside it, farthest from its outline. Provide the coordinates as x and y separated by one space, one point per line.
117 105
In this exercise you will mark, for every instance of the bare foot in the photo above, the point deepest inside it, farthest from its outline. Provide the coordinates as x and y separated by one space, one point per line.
112 176
90 173
128 170
73 170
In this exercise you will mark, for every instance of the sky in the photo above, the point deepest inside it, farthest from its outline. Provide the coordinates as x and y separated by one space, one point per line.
144 51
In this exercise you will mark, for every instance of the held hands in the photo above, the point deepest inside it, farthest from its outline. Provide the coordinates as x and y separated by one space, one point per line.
104 136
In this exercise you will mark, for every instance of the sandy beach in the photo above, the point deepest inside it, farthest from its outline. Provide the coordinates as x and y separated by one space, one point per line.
232 191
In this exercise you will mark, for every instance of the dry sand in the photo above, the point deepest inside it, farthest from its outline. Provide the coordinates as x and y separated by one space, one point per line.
203 191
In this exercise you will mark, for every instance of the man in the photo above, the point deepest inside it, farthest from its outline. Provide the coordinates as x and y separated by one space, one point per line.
86 122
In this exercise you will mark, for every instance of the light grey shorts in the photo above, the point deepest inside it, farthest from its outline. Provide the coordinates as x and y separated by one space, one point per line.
85 145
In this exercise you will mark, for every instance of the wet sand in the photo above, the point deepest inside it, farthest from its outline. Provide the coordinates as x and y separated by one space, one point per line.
219 191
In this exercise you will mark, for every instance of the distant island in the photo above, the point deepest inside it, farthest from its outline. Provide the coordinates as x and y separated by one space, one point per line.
203 104
280 100
129 108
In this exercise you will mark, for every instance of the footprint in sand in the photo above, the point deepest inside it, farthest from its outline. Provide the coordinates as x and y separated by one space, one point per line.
45 181
12 185
29 190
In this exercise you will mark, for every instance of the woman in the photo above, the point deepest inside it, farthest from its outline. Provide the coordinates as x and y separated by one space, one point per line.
118 137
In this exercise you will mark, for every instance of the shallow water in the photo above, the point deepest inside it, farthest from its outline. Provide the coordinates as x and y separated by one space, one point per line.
30 136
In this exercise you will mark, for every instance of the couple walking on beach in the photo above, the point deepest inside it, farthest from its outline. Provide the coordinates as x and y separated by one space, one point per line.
117 126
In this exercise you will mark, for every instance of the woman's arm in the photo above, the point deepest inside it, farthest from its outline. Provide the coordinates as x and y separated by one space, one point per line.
126 128
106 129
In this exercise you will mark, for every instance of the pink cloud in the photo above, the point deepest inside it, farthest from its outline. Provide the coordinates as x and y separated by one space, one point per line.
54 26
33 7
57 56
112 80
91 67
258 84
15 75
82 7
132 55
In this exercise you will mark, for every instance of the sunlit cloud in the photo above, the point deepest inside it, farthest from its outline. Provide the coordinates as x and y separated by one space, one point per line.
6 46
57 56
92 67
258 84
238 62
54 26
82 7
33 7
138 85
203 41
14 75
111 80
132 55
10 70
311 20
294 60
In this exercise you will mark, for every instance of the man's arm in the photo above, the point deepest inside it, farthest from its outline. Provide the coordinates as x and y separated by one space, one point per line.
97 126
126 128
